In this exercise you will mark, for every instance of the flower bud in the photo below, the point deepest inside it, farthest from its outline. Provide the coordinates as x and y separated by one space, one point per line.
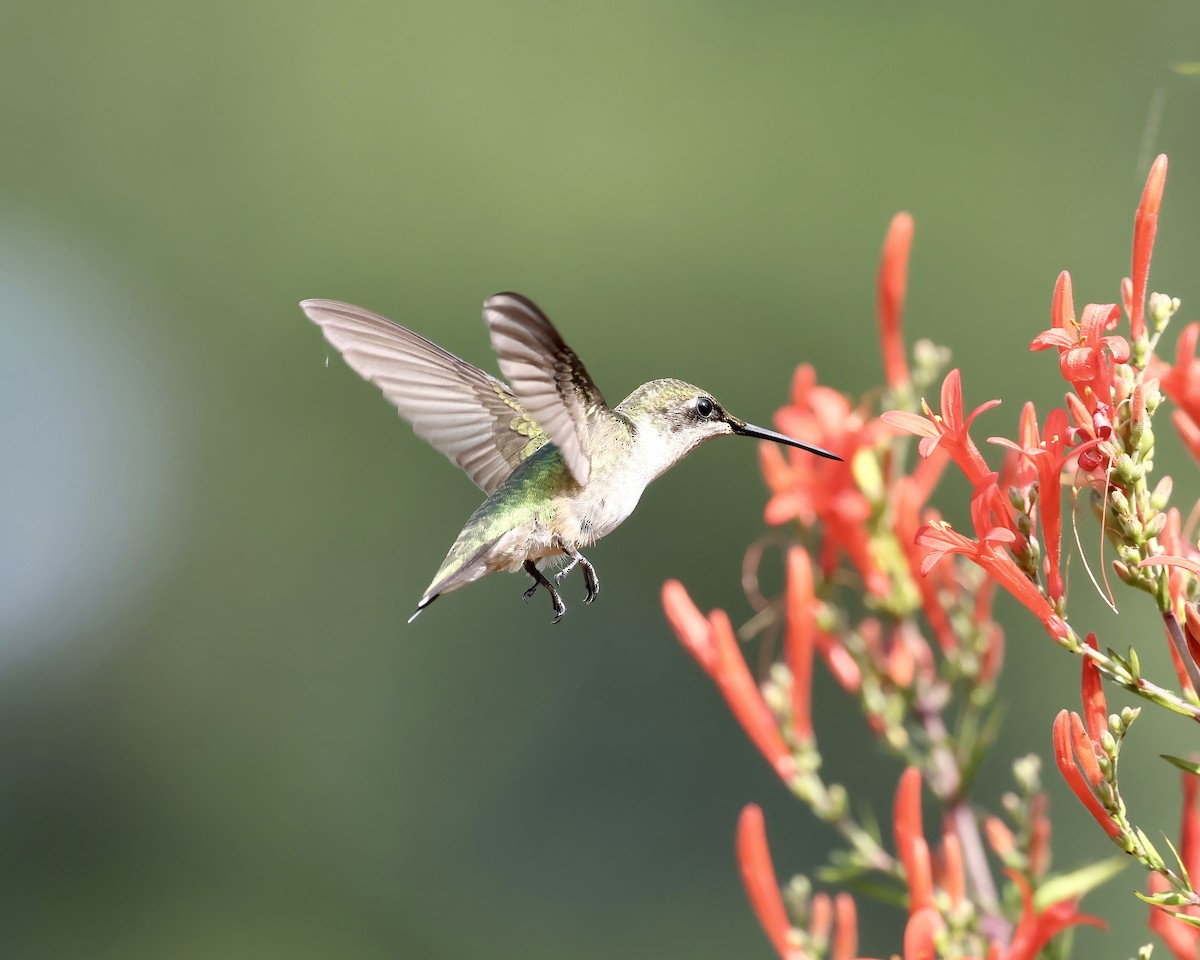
1162 494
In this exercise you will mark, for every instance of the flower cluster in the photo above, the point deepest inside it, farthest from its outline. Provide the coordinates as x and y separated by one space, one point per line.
896 603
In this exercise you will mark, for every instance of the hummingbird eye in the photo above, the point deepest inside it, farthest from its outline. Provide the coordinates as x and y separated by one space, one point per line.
705 407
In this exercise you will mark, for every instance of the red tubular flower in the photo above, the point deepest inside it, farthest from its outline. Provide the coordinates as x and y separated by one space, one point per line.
758 876
990 553
920 933
845 938
1085 353
890 288
947 429
1181 939
1047 455
910 840
689 624
907 498
798 646
1191 631
953 880
716 649
812 489
1181 383
1039 839
820 920
1066 735
1145 225
1000 837
1037 928
1095 708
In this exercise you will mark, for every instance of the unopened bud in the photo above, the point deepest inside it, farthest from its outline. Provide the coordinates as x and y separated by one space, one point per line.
1108 743
1162 494
1127 471
1161 308
1154 526
1027 771
798 897
1129 714
839 802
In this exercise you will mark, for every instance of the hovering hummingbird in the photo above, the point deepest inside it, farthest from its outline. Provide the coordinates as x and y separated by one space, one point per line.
560 467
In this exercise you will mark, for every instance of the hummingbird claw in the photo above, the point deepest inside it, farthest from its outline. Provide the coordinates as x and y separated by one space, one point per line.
539 580
589 572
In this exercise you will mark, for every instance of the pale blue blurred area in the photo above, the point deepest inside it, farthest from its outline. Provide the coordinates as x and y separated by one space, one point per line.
90 501
218 738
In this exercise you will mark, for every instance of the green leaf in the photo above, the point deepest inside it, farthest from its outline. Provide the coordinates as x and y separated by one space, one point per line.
1073 885
1188 919
1187 766
1168 898
1179 860
1190 69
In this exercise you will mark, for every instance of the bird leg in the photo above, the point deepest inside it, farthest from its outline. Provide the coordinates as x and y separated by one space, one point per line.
589 572
539 580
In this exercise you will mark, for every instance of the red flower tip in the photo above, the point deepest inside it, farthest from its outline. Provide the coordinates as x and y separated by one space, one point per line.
1145 225
1037 928
953 879
801 635
845 938
758 876
891 286
689 624
910 840
1181 939
1066 737
1000 837
920 934
745 699
1095 708
1062 306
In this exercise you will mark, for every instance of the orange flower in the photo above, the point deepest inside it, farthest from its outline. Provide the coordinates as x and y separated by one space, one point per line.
989 552
758 875
712 642
910 841
947 429
1037 928
1181 939
826 492
1046 453
801 630
1070 742
1095 708
1145 225
890 288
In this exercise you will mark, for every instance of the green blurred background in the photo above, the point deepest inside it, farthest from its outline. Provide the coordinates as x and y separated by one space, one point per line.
218 738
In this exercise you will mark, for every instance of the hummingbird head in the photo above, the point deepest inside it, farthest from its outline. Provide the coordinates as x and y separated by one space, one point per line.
676 417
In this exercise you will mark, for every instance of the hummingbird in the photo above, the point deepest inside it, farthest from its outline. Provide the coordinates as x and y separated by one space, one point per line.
559 466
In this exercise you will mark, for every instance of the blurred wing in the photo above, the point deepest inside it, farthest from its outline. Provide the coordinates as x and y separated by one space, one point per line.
468 415
546 376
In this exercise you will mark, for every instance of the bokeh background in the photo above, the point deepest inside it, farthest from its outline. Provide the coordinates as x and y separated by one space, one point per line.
218 737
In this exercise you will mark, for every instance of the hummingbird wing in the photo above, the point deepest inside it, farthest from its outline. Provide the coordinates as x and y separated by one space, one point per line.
547 377
467 414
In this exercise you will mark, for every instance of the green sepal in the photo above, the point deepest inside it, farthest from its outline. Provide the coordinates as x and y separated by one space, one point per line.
1073 885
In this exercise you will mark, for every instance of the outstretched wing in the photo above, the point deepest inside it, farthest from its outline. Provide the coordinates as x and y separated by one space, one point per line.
546 376
468 415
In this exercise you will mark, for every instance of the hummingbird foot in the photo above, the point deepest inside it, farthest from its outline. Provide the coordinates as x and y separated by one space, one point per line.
539 580
589 572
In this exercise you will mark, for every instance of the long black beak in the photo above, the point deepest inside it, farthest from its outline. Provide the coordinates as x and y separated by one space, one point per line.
750 430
